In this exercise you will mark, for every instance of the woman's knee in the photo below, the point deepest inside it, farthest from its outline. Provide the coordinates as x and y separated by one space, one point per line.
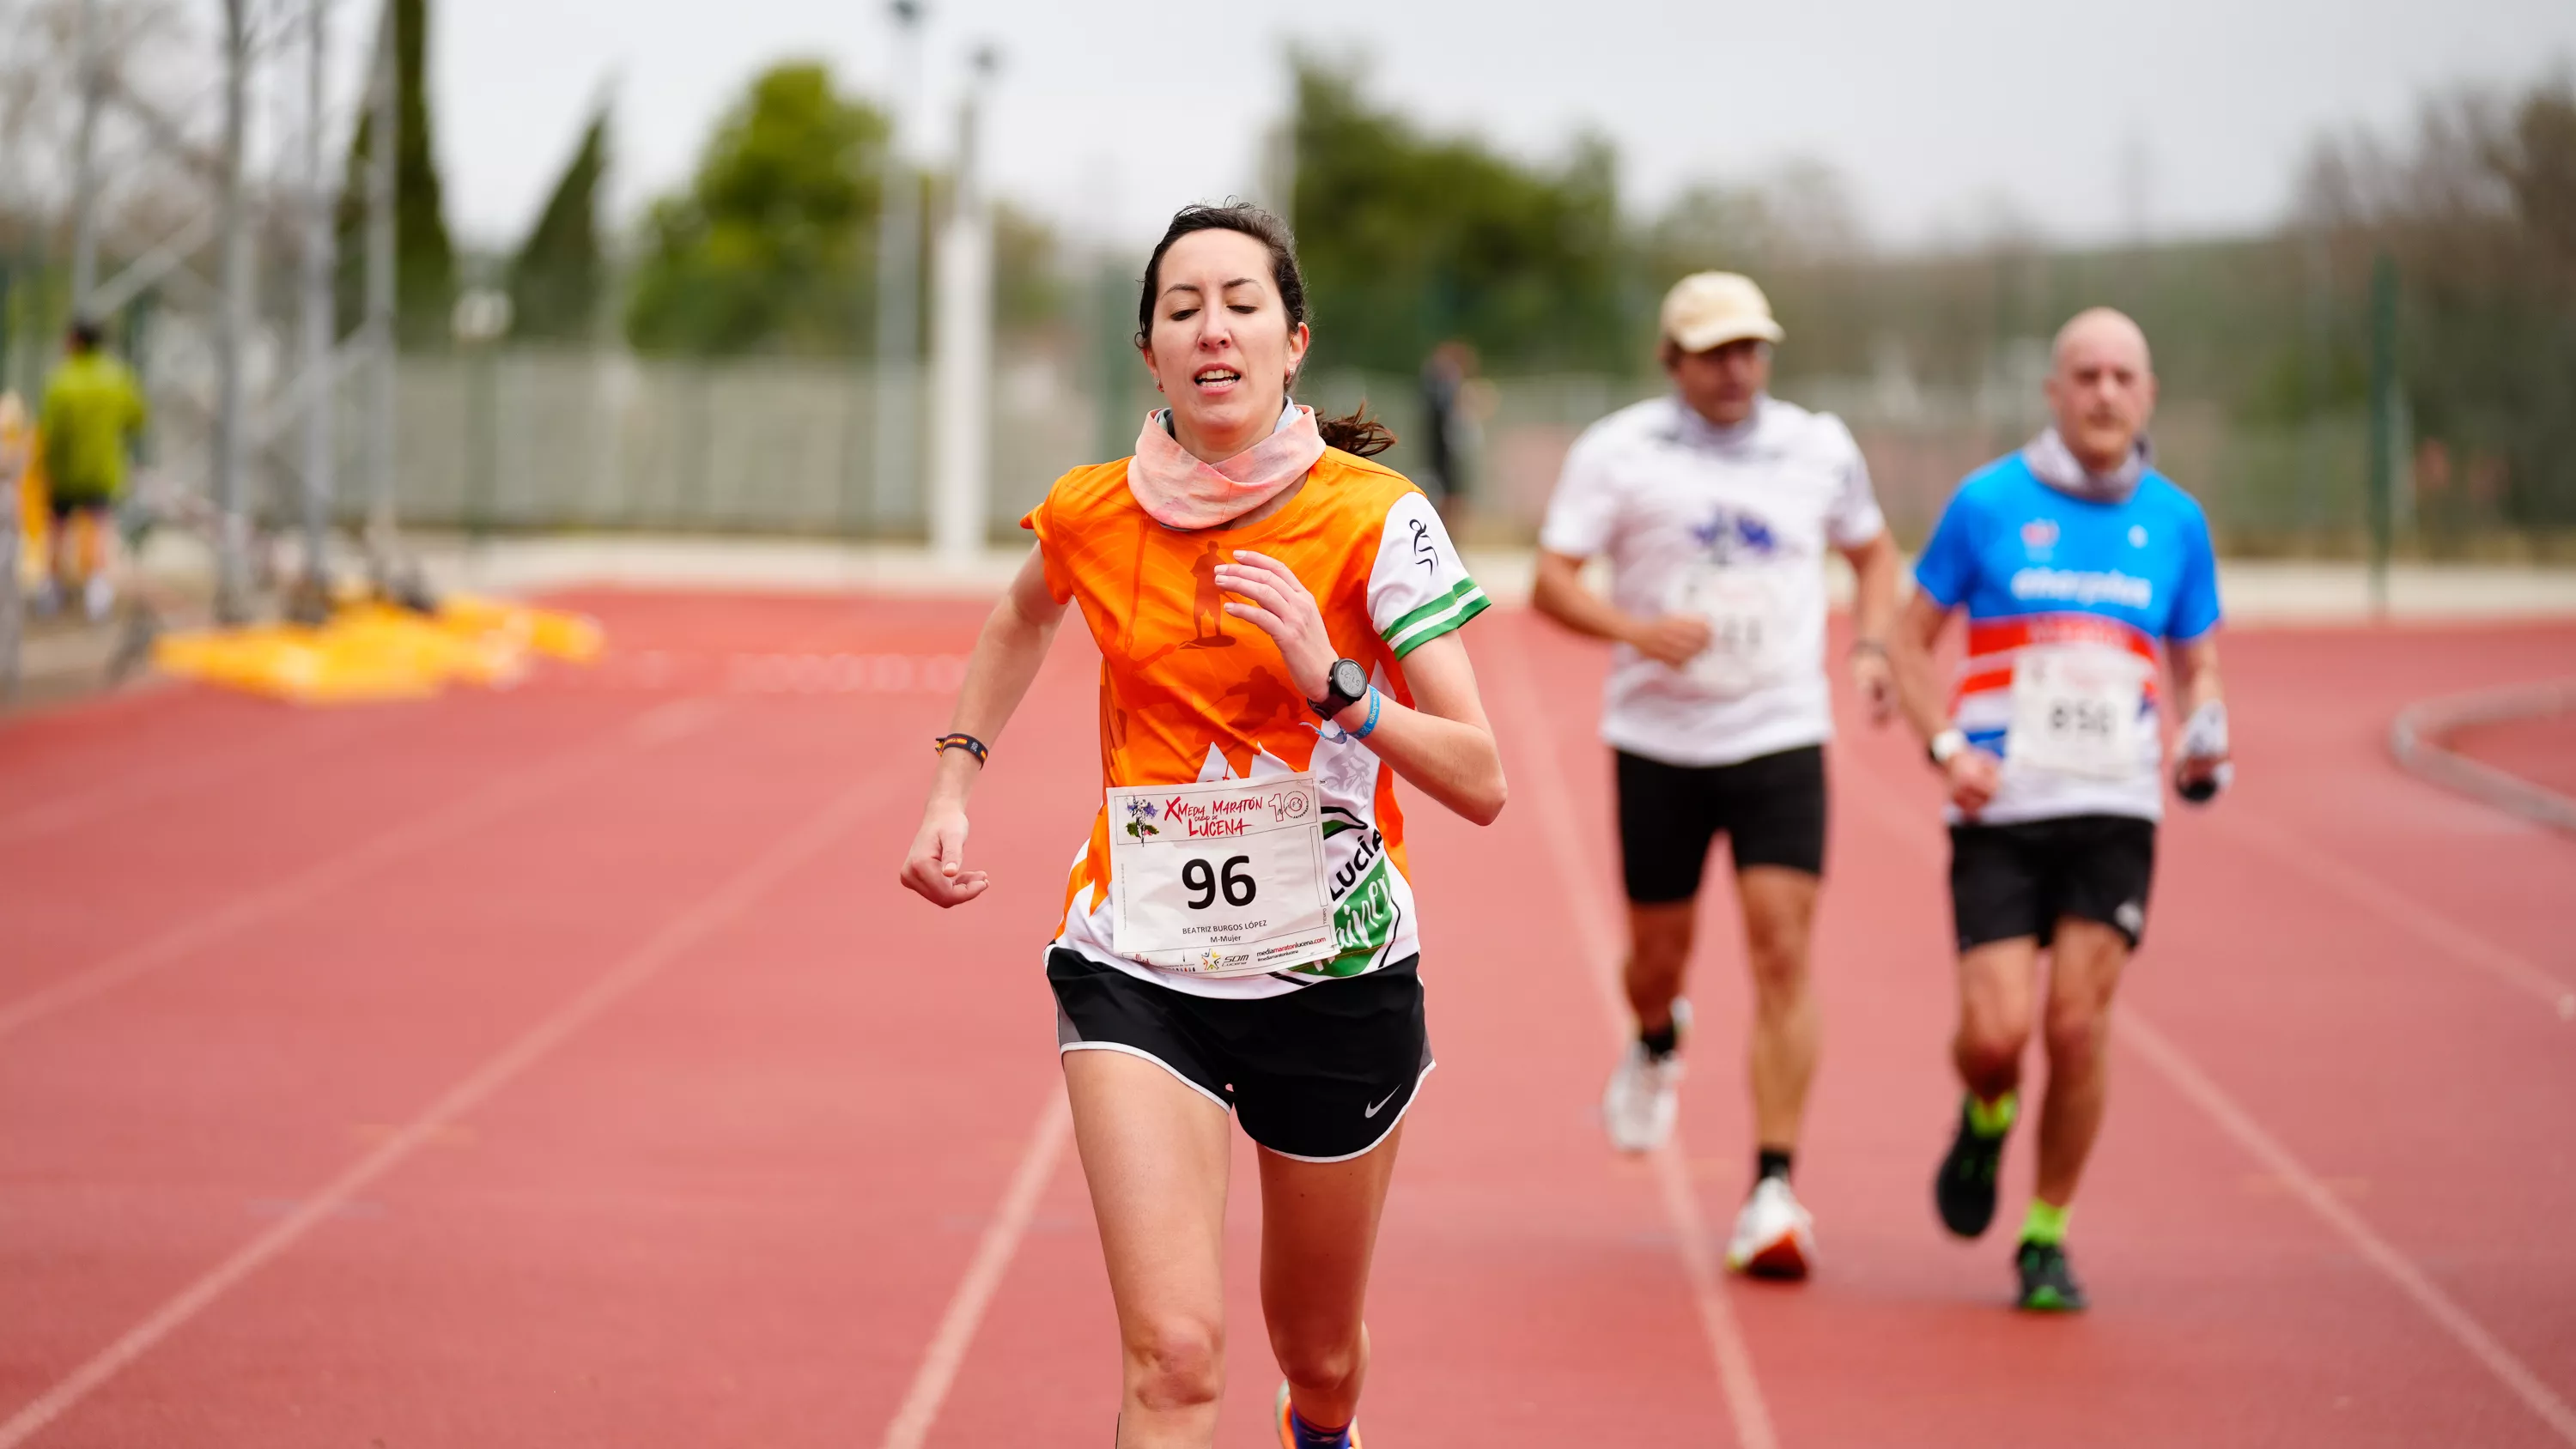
1317 1360
1176 1361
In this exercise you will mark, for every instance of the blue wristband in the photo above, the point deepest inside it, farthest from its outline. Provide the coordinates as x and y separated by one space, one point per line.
1375 699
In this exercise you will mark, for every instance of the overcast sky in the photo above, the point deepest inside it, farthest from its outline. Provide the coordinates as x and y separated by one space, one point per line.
1110 113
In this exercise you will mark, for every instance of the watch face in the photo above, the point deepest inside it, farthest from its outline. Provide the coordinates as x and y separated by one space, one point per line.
1348 679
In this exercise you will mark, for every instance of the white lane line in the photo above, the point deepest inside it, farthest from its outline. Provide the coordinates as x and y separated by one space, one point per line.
2465 1330
1600 939
683 931
1001 1242
654 727
2185 1075
2390 903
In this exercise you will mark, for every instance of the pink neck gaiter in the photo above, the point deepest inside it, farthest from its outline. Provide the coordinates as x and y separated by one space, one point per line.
1180 491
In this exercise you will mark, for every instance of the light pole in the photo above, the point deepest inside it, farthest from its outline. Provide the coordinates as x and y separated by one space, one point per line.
898 271
384 130
232 325
85 164
313 596
962 350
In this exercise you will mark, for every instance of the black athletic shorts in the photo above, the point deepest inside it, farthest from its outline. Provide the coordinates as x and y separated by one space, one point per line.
1772 808
1322 1073
2021 880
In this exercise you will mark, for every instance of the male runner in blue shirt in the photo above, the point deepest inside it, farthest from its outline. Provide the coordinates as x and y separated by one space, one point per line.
2079 565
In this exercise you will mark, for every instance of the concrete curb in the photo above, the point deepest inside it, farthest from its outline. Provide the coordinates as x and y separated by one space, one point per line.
2415 736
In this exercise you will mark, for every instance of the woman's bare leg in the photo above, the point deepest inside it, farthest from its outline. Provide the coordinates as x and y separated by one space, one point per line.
1154 1151
1318 1232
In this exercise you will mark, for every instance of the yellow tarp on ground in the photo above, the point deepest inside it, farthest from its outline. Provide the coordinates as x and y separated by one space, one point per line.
375 651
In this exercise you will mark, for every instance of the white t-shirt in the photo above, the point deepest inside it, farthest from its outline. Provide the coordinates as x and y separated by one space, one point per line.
1732 523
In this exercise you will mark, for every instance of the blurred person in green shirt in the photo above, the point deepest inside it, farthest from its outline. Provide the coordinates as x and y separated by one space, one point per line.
92 414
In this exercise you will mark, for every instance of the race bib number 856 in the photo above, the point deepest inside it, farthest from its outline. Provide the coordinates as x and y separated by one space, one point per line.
2076 711
1222 878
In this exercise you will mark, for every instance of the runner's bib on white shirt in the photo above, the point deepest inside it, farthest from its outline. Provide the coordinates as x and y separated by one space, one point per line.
1220 878
2076 711
1730 524
1752 635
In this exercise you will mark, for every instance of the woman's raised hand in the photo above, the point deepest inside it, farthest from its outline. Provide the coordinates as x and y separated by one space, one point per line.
1282 609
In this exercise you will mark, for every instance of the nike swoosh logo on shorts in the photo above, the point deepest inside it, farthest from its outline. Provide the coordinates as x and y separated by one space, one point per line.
1382 1101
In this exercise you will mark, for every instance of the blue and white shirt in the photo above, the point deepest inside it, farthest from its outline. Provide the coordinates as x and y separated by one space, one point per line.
2039 569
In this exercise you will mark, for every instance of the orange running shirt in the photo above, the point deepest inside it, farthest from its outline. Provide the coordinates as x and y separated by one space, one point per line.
1189 692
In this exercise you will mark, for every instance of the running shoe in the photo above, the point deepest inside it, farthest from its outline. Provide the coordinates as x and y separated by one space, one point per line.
1964 1188
1642 1099
2048 1281
1774 1236
1348 1439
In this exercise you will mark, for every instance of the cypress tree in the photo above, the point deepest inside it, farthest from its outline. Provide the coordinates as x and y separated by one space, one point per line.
555 279
424 259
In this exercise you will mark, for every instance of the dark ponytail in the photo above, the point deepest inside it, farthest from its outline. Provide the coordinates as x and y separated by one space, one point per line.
1355 433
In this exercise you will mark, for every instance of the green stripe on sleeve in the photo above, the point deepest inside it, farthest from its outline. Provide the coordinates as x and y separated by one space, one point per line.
1442 601
1436 618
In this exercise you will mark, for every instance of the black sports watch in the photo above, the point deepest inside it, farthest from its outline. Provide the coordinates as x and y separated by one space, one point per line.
1345 684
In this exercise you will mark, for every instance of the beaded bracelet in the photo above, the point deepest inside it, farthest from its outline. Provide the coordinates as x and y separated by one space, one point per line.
968 743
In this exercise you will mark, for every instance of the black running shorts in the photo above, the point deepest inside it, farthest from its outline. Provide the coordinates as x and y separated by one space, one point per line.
1322 1073
2021 880
1771 807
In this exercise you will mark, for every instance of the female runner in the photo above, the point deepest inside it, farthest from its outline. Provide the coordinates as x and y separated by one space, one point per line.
1276 618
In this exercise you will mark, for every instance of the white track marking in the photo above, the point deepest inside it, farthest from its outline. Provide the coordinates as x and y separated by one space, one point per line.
2439 1306
1001 1242
1596 927
2186 1077
683 931
2390 904
651 729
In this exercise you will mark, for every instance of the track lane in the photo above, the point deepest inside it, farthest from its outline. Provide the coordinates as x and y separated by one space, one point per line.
681 1228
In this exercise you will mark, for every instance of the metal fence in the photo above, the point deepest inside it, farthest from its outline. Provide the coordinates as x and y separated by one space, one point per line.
529 440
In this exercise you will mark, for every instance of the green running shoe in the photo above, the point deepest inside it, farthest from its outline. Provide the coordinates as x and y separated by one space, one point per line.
1964 1188
2047 1281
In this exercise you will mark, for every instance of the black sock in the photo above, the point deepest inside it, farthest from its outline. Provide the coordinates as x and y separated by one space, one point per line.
1771 1162
1660 1043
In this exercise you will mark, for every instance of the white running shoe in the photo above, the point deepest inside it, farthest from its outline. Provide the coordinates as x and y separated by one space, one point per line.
1774 1236
1642 1099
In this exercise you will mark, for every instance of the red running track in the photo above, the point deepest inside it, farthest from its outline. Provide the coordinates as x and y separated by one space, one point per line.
563 1067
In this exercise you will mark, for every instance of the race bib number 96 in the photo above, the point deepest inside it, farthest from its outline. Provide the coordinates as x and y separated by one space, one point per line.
1221 878
2076 711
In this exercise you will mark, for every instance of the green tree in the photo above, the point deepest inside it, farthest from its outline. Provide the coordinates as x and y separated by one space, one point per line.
770 245
2479 210
556 277
424 257
1408 240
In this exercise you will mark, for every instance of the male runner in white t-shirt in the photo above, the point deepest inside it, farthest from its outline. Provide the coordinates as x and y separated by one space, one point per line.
1716 504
